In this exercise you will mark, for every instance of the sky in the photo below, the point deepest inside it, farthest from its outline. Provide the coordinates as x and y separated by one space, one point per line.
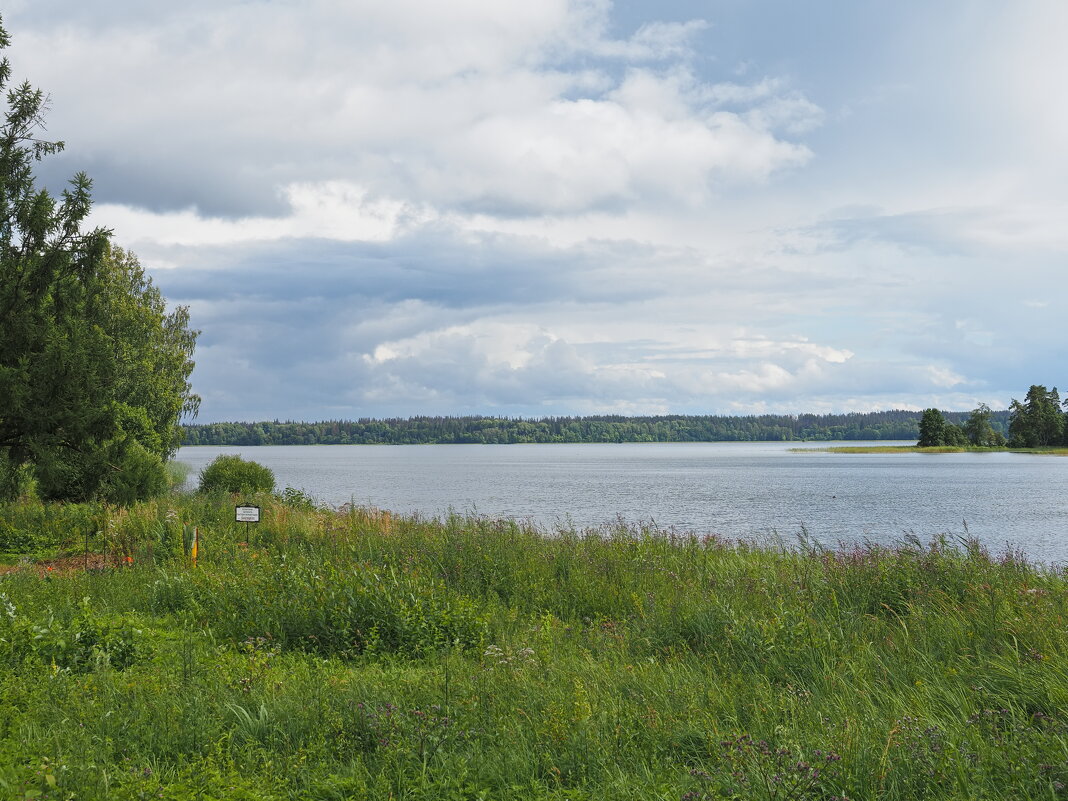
573 207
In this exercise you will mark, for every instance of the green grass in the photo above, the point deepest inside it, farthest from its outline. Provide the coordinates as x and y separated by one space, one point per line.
360 655
1049 450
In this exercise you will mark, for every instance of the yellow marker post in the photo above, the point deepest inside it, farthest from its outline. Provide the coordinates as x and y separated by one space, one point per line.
196 544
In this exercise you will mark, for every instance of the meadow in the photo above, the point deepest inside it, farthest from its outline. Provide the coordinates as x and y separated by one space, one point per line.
349 654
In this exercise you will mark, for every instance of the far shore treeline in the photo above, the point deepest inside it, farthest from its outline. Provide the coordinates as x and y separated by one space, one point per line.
887 425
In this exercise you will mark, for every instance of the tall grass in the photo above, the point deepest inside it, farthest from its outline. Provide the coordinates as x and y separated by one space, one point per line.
357 654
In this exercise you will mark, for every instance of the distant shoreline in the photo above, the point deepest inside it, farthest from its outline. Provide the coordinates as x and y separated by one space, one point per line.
599 442
894 425
1050 450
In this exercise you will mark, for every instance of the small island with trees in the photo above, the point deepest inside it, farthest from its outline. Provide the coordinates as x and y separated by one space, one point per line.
1040 422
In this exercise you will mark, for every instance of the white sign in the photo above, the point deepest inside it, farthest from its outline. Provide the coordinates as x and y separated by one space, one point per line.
247 514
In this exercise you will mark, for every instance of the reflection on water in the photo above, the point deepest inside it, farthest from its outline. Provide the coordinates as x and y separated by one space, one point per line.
732 489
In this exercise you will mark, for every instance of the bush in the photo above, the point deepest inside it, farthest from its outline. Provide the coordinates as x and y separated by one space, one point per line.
233 474
81 645
141 475
297 499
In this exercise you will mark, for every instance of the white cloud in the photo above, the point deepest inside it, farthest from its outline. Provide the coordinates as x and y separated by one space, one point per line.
496 206
477 105
332 210
750 348
502 360
498 344
655 41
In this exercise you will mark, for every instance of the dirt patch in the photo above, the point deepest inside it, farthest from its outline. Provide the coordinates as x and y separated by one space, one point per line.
66 565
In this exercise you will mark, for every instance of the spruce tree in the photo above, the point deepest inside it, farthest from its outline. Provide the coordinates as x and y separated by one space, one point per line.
93 370
1038 420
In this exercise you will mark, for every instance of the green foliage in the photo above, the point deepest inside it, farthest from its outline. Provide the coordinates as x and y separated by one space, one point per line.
977 430
932 429
955 436
29 526
16 480
605 428
93 370
1038 421
232 474
312 606
980 431
86 642
177 475
297 499
357 654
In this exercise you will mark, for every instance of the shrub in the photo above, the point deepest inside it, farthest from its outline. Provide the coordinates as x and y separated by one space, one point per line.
297 499
141 475
81 645
230 473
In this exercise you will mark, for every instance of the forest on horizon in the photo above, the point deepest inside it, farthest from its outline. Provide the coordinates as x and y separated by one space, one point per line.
886 425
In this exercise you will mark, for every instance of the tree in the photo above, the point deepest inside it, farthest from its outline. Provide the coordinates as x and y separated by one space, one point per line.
1038 420
979 429
94 373
932 429
954 436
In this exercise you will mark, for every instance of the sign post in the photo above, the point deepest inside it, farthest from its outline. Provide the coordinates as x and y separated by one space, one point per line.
247 514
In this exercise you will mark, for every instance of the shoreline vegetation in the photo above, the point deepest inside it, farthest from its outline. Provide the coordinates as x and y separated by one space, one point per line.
351 653
1048 450
888 425
1037 422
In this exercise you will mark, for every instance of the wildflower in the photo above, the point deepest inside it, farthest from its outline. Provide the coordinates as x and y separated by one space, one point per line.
129 560
9 608
50 568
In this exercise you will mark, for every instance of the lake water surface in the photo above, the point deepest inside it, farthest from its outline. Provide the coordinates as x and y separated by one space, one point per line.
732 489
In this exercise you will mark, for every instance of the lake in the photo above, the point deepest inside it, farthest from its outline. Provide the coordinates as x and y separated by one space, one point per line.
727 488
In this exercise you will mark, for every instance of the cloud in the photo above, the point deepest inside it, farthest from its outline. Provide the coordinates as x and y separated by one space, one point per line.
576 206
655 41
334 210
972 230
402 325
444 319
494 107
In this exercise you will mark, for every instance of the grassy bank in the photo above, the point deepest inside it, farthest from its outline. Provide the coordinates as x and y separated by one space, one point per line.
1051 450
356 654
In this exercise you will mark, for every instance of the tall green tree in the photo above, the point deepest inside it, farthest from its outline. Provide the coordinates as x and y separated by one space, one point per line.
94 372
1038 420
955 436
979 429
932 429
